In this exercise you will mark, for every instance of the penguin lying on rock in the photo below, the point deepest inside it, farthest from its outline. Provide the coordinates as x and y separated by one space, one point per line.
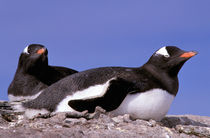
145 92
33 74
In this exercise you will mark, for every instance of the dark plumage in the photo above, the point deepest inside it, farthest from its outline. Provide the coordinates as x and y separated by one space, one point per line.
33 73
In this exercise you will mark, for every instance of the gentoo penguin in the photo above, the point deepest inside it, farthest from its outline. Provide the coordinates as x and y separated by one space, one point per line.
33 74
145 92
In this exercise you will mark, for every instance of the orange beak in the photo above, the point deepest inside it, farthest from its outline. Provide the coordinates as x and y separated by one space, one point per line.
188 54
40 51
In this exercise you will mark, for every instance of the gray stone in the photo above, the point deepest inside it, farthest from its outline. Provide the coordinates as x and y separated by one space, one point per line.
99 125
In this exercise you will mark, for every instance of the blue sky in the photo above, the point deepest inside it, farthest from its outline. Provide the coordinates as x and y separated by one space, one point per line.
88 34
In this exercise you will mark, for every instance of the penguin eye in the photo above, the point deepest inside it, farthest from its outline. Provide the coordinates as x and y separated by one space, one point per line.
167 56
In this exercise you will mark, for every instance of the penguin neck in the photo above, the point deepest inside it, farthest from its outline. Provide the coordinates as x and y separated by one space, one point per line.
34 69
168 82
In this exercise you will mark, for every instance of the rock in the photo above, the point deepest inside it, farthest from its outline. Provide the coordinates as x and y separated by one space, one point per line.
72 121
192 130
120 119
152 123
99 125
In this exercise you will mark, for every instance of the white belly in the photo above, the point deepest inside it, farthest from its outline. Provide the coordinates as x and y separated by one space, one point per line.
13 98
153 104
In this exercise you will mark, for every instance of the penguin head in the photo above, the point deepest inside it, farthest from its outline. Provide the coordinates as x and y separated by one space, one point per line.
35 49
170 59
33 58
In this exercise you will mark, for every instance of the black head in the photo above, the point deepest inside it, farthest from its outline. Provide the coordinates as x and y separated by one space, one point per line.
33 58
170 59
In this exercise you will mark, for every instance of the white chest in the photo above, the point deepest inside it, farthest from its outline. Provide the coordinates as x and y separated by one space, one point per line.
153 104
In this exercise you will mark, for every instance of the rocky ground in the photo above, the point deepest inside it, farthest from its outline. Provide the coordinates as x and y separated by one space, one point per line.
99 125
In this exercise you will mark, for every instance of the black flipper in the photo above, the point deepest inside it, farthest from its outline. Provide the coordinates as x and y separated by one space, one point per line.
115 94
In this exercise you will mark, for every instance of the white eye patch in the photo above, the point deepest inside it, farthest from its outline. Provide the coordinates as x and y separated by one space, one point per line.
25 50
163 51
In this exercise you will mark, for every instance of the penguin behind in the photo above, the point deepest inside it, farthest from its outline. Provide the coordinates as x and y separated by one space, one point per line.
145 92
33 74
